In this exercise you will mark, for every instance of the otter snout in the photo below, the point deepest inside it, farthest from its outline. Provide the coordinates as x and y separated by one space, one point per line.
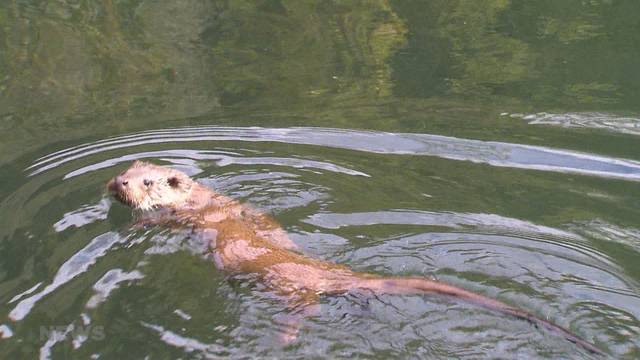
117 184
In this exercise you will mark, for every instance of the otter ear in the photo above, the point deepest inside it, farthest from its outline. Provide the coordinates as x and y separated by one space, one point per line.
139 163
173 181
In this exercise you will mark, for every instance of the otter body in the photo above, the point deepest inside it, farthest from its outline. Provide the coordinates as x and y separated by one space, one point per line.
244 241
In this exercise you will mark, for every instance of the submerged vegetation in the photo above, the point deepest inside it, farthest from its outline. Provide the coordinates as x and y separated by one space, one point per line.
130 63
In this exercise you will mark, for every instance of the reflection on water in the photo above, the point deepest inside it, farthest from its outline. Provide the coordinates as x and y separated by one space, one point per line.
486 222
83 216
109 282
5 332
489 152
599 229
610 122
219 159
55 337
76 265
209 351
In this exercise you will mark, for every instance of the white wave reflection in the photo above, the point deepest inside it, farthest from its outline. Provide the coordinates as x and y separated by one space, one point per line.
25 293
479 222
603 230
566 271
183 315
81 337
593 120
53 338
497 244
76 265
220 159
108 282
487 152
84 215
164 244
189 345
5 332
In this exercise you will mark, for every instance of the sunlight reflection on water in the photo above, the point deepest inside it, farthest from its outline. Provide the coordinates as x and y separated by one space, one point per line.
487 152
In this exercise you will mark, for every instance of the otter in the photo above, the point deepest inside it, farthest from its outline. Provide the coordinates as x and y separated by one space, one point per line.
245 241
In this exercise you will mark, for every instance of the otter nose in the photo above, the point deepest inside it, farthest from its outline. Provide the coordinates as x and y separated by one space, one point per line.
117 183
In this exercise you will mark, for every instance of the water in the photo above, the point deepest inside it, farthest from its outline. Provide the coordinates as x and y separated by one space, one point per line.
489 144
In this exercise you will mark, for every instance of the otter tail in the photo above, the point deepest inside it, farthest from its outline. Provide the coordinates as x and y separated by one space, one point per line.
424 286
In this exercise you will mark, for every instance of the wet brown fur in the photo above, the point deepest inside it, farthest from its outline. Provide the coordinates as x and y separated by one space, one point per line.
244 241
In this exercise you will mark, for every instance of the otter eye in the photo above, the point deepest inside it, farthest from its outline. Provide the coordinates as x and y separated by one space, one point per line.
147 182
173 181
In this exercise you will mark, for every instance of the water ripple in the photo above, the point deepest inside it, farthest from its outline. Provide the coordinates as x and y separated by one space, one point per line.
108 282
189 345
558 273
85 215
601 230
479 222
220 159
76 265
486 152
592 120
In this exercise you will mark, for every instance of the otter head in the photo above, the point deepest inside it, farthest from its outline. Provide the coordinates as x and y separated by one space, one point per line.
146 186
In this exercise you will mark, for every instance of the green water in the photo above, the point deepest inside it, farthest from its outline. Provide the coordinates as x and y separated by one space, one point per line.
490 144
